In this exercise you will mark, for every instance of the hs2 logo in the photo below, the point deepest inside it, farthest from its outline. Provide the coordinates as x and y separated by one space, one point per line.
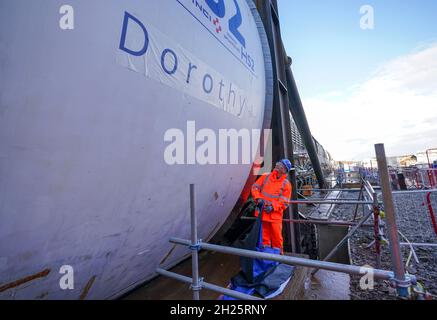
218 7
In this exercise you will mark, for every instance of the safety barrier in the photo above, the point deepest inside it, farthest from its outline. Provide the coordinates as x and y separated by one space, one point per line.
198 284
397 277
413 178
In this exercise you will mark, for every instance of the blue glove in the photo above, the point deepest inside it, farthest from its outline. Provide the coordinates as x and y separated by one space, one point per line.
260 203
268 209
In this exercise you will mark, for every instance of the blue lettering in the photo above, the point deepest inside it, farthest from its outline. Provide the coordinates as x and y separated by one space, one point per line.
218 7
202 9
244 55
231 94
127 17
198 5
163 55
235 23
207 76
247 58
190 68
220 91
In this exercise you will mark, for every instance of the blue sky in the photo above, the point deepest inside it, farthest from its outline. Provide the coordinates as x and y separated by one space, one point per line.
336 62
331 51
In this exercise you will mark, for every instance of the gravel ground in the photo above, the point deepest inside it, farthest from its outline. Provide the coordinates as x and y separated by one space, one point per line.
415 224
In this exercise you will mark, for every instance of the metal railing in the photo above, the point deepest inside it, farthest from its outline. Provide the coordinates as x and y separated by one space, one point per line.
317 222
206 285
397 277
396 256
295 261
413 178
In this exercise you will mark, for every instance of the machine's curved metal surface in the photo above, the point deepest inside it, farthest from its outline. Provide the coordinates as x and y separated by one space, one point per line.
85 116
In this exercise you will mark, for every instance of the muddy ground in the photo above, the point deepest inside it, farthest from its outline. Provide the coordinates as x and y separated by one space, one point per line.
414 223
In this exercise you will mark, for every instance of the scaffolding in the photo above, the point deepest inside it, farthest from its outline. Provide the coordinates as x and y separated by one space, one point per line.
286 101
397 276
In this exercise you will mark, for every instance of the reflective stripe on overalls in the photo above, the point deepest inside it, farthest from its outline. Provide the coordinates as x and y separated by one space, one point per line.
271 195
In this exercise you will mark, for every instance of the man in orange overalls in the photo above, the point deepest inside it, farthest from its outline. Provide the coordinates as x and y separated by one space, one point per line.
274 190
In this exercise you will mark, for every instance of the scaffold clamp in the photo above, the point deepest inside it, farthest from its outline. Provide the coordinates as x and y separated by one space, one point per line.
404 285
199 286
197 246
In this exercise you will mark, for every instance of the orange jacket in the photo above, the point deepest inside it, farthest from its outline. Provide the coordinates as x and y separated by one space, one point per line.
275 192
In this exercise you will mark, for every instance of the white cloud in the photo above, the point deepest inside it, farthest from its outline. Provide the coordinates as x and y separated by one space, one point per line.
396 106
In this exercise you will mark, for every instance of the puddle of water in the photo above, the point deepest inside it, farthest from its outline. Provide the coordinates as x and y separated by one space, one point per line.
328 285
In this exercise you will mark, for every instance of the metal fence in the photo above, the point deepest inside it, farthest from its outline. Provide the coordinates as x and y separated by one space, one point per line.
397 276
413 178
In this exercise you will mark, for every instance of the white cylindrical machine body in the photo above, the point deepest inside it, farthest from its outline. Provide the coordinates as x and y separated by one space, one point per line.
104 109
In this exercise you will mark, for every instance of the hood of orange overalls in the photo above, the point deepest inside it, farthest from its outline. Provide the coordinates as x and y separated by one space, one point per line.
275 175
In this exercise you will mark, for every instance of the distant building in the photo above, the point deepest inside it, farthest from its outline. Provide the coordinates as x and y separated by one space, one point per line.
393 161
402 161
408 161
397 161
420 160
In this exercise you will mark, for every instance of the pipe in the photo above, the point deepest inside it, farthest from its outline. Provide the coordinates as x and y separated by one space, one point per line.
281 122
414 244
331 266
330 199
298 113
207 285
431 212
413 252
370 187
194 246
427 156
414 192
360 195
328 202
329 223
376 213
396 255
348 190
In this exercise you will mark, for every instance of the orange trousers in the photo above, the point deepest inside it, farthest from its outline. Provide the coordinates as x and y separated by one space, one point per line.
272 234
